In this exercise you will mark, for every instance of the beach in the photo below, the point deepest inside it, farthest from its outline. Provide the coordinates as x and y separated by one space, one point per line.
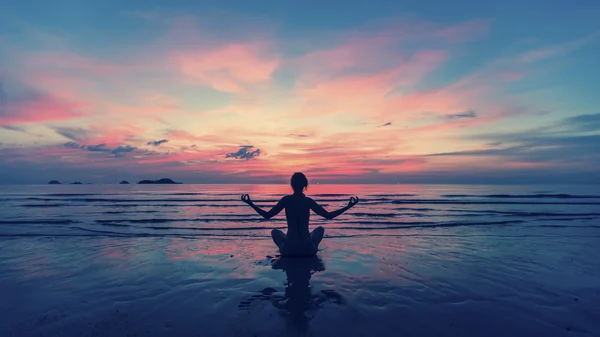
193 260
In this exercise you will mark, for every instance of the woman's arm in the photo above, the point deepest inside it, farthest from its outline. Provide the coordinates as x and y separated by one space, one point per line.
330 215
267 215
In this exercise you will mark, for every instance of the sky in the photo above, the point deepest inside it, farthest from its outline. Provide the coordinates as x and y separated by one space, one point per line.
479 92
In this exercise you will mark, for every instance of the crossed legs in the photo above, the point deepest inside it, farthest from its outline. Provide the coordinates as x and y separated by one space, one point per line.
278 237
316 236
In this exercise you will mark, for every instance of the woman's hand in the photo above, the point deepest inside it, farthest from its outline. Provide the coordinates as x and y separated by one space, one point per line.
353 201
246 199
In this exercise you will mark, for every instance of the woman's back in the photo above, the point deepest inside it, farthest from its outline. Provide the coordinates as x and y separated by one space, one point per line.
297 214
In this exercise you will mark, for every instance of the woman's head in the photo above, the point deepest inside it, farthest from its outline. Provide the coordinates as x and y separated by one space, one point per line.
299 182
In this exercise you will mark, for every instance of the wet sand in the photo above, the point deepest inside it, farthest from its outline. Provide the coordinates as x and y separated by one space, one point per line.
426 285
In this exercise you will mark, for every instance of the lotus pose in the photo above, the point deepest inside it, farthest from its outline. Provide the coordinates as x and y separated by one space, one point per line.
298 241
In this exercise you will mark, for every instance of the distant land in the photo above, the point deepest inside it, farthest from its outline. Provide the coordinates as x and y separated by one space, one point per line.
162 181
159 181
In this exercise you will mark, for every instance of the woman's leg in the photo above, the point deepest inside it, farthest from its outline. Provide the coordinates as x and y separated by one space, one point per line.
317 235
278 237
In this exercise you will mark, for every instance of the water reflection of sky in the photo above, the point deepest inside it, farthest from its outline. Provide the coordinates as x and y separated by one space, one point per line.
365 280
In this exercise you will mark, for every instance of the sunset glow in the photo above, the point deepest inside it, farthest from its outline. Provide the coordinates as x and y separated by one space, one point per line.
371 93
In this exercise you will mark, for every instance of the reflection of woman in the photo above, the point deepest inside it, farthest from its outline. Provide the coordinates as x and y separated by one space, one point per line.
298 240
299 304
300 301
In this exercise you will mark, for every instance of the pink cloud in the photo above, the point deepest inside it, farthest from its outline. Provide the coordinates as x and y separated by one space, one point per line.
230 68
371 74
111 135
39 108
229 65
368 94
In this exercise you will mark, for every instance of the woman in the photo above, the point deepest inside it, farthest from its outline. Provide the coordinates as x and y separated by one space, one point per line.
298 241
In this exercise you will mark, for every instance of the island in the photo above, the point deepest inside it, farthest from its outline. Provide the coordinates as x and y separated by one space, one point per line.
125 182
54 182
76 183
159 181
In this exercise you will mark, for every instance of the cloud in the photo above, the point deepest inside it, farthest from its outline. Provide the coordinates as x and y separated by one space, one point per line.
386 124
244 153
34 107
187 136
551 51
157 142
118 151
74 134
97 148
123 149
582 123
482 152
74 145
552 147
465 114
14 128
231 68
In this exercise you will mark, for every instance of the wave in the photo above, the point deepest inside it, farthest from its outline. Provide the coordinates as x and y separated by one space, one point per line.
215 229
122 200
136 200
525 214
135 235
407 225
342 222
134 205
395 195
433 223
199 193
36 222
137 211
72 194
570 226
524 196
200 220
404 226
471 202
376 215
220 237
134 193
331 195
416 209
45 205
112 224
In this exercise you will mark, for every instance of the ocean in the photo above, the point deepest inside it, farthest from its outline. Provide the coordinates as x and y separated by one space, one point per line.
193 260
216 210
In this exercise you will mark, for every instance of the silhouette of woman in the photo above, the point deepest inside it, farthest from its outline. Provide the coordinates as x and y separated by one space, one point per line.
298 241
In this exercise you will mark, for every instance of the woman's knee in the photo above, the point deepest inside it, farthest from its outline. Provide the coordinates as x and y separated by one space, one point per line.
320 229
277 234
